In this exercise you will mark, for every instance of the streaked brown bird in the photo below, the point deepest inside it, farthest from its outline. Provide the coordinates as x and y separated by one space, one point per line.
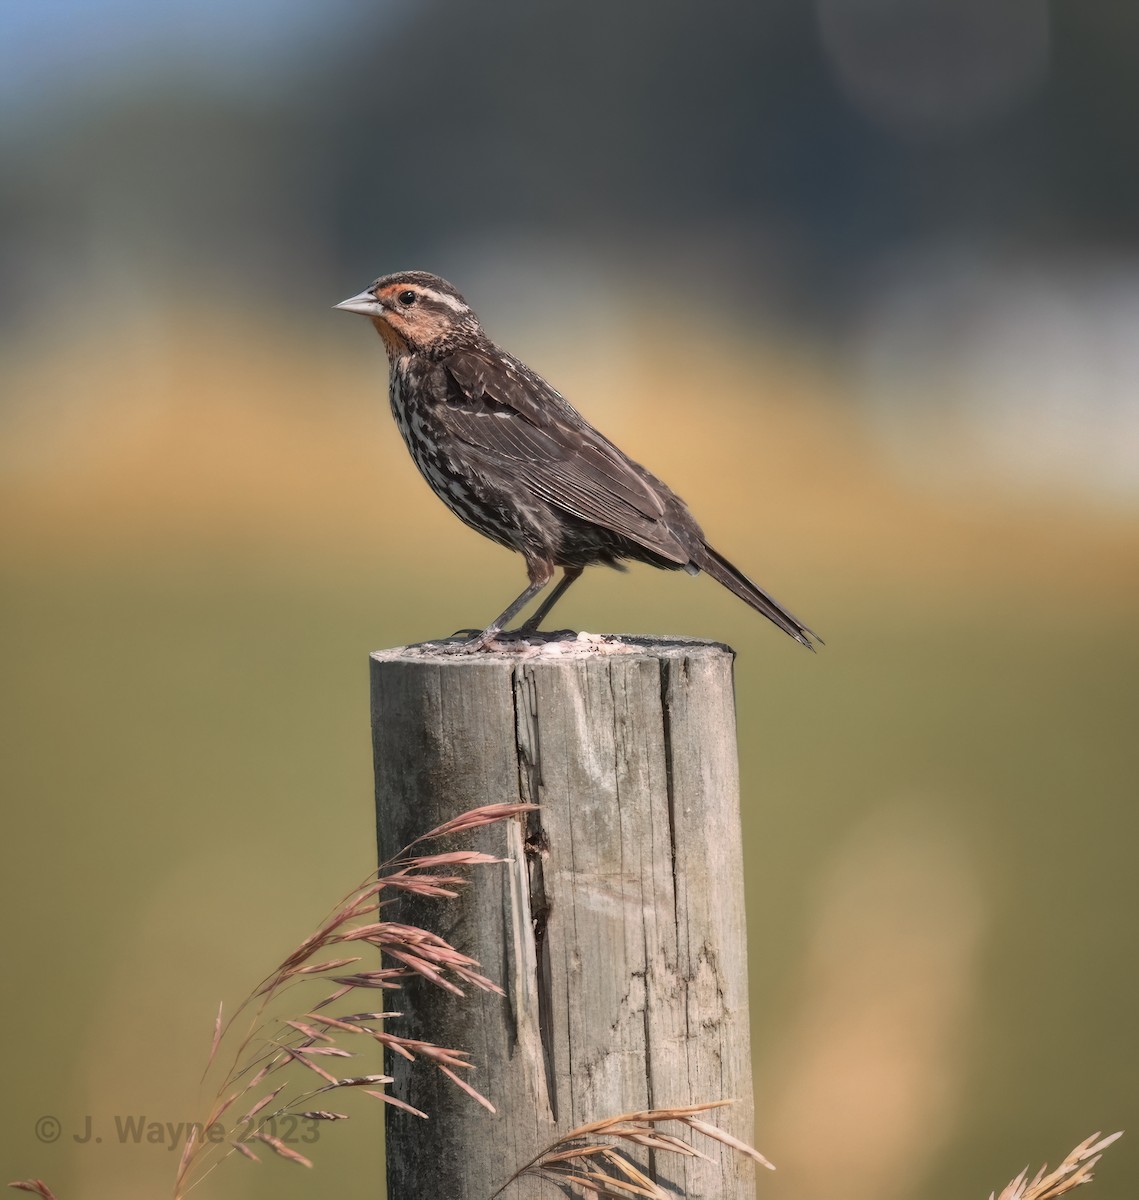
513 459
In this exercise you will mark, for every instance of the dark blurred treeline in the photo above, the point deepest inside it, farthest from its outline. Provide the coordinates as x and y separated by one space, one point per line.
778 146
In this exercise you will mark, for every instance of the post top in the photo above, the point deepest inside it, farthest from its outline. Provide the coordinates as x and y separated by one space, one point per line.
563 645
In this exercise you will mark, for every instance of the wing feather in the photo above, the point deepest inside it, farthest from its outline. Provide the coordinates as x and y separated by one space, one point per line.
518 424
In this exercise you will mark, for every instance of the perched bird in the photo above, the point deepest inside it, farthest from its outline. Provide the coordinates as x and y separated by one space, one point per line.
513 459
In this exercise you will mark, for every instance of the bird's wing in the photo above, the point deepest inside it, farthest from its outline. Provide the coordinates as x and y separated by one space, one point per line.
520 425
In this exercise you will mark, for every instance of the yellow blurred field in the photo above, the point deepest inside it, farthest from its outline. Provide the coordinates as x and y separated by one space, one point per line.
222 434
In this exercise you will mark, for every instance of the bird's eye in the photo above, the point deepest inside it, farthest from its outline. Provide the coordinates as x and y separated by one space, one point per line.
408 297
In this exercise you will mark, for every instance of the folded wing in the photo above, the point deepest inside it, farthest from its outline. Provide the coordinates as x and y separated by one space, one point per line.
515 422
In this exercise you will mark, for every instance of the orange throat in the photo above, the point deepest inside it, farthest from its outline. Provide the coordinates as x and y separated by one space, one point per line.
396 346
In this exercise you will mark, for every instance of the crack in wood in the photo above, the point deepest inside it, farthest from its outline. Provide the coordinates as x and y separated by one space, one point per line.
529 746
670 789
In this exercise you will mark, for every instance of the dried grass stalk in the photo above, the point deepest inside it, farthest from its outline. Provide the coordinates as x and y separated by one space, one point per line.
33 1185
279 1147
269 1046
1075 1170
600 1168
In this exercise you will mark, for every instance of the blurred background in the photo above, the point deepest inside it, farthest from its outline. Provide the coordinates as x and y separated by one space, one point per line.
859 278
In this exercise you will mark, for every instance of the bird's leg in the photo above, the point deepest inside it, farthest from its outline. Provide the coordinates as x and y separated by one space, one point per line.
541 571
571 574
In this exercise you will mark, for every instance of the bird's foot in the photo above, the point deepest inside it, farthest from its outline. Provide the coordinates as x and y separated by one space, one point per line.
471 641
459 646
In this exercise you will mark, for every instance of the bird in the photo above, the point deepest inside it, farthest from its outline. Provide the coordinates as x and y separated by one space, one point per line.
513 459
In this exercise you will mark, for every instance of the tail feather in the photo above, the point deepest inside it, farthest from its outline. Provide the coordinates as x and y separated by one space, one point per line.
718 567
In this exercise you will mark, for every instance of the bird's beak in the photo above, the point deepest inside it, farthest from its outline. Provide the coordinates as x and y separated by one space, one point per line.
365 303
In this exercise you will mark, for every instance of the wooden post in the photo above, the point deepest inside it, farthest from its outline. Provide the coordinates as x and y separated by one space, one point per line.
617 928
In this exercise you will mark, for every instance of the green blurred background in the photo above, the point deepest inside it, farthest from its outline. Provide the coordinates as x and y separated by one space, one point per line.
859 278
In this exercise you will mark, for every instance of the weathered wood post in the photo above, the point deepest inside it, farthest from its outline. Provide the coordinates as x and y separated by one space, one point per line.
617 928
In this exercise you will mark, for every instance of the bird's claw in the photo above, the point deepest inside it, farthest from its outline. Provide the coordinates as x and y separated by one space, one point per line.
473 640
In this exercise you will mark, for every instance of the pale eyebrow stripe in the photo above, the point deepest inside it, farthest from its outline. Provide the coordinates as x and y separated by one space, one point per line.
450 301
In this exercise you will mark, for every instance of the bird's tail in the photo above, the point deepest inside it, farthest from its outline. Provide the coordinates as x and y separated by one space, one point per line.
716 565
